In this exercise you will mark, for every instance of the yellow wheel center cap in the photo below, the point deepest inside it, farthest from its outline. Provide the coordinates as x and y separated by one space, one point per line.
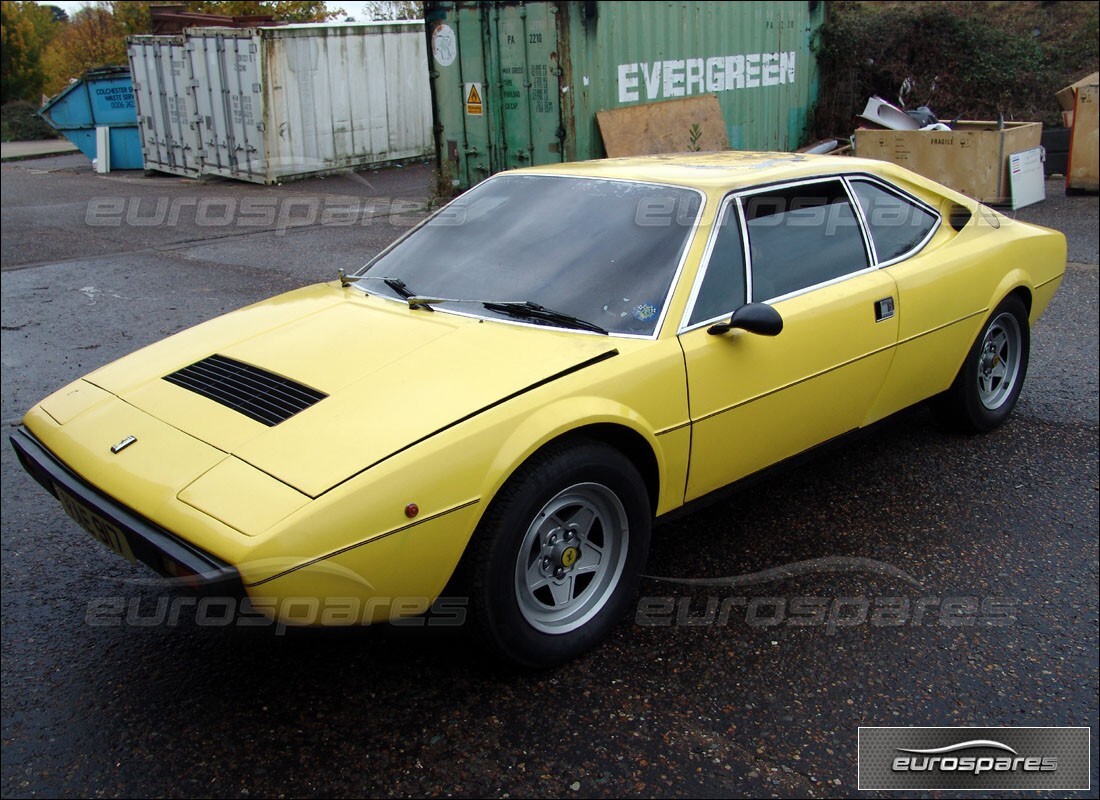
569 556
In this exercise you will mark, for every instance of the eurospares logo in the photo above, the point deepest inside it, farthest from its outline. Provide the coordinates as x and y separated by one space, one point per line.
950 759
974 758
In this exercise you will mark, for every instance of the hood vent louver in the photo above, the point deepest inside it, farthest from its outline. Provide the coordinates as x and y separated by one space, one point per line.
254 392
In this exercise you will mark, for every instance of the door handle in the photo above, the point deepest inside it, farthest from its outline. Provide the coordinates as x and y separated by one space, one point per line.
884 309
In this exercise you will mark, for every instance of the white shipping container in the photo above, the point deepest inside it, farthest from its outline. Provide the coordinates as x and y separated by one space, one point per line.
273 104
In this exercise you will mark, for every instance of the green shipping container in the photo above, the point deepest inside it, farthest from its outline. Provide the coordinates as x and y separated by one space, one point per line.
517 84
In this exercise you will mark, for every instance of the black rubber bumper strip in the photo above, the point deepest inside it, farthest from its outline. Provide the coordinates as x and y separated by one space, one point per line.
150 543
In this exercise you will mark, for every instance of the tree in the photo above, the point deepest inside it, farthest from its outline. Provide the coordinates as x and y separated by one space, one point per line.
395 9
26 29
59 14
94 38
288 10
96 35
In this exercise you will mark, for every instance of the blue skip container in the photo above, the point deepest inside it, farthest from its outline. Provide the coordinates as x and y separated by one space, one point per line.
103 97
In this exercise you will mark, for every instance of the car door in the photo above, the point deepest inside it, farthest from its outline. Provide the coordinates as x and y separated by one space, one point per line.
943 304
756 400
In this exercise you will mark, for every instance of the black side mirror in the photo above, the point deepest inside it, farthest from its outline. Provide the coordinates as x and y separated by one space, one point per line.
758 318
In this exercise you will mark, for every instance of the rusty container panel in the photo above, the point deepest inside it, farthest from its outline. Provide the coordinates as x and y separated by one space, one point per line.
341 96
543 69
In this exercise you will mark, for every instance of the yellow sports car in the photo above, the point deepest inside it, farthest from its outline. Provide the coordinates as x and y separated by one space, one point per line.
507 397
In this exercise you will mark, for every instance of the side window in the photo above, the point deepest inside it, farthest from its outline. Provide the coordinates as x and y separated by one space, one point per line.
800 236
723 287
897 225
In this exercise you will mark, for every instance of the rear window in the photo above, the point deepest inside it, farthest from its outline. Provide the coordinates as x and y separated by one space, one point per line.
897 226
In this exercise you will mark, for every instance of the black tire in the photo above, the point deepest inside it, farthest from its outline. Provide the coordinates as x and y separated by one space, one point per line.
589 572
988 385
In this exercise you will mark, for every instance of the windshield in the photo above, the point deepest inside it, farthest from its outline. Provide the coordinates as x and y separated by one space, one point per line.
602 251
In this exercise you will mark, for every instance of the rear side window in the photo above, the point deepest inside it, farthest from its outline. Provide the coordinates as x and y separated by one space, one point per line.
897 226
802 236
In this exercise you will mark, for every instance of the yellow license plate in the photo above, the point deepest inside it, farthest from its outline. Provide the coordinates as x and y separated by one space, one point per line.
101 529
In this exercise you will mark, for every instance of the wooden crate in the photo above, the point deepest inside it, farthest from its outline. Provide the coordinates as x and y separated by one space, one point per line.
1067 97
972 158
1083 173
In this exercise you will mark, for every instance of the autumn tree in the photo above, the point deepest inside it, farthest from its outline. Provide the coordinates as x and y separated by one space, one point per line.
282 10
26 29
94 38
96 35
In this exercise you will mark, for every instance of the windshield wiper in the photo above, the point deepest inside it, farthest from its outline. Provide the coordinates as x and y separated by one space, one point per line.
529 310
520 309
398 286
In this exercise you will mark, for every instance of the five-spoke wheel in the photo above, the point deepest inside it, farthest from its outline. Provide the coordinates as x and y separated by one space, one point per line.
557 557
571 557
989 382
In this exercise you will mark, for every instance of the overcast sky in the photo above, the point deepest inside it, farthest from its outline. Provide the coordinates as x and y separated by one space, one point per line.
354 9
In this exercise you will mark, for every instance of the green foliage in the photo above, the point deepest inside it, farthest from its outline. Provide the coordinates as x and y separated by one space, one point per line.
970 60
96 35
94 38
288 10
19 122
695 133
26 30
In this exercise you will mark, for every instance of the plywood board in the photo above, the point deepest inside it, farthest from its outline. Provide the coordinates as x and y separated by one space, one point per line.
670 126
1025 170
1084 148
972 158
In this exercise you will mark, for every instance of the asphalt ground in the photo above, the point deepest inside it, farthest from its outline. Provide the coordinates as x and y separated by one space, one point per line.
977 605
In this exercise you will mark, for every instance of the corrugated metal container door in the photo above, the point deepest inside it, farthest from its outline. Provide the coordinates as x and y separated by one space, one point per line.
164 89
496 76
229 98
543 69
526 40
345 95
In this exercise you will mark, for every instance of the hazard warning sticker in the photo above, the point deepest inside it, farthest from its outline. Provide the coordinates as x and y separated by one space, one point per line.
474 105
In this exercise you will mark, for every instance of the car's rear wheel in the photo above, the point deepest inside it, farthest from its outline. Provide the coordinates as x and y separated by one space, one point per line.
556 560
989 383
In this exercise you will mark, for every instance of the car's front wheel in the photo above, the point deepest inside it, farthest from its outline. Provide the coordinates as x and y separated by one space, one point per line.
989 383
556 560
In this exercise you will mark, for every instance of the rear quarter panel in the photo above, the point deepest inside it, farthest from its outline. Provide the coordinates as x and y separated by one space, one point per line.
949 289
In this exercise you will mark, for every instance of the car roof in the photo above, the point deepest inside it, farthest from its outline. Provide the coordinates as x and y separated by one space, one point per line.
715 170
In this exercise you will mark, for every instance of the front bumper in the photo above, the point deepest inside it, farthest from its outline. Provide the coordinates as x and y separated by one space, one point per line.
163 551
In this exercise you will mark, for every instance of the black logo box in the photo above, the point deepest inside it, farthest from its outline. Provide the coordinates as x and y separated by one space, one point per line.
1037 758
